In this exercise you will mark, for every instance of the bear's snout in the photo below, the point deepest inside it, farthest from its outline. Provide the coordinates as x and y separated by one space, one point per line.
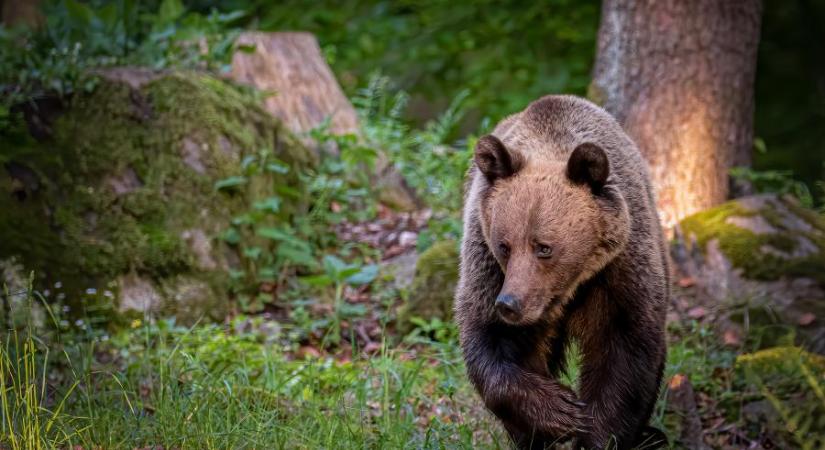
508 307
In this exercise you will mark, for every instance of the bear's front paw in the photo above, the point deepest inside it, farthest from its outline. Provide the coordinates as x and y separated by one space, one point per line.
565 415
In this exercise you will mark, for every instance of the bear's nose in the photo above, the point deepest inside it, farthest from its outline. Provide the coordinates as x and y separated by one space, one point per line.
508 307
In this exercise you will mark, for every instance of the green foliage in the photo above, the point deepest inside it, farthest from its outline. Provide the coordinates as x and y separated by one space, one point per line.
275 243
775 181
793 382
504 53
28 418
213 386
427 159
338 274
433 328
80 37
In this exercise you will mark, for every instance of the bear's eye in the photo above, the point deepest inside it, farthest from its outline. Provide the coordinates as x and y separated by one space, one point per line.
544 251
504 249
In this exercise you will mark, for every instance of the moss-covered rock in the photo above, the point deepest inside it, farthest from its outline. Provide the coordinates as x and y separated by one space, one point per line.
767 237
433 287
120 194
764 258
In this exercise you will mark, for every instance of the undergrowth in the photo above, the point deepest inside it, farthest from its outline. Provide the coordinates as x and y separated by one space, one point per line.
241 385
60 56
213 386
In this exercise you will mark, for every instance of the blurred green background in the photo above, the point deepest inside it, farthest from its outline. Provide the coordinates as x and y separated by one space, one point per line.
503 53
507 53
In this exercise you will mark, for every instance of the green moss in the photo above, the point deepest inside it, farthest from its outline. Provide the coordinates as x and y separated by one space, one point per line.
781 362
77 228
814 219
433 288
744 248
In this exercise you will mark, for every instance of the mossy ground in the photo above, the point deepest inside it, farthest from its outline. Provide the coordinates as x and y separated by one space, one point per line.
743 247
71 222
433 288
792 382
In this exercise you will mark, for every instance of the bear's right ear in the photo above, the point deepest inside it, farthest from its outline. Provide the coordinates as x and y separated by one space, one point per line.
494 160
588 165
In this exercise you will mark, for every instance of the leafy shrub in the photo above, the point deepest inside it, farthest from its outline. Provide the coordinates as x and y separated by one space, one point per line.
79 37
793 382
435 48
276 244
775 181
429 162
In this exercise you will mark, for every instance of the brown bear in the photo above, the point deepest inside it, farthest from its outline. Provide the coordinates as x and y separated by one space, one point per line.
562 243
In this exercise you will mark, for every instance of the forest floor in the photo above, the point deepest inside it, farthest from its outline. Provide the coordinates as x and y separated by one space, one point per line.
282 379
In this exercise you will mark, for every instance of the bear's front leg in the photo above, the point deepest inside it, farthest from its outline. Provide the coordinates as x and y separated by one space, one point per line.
622 365
536 409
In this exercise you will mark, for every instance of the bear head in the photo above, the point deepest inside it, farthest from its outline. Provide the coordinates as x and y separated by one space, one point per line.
551 225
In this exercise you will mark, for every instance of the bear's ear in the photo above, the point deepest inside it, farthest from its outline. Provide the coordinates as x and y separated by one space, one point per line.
494 160
588 165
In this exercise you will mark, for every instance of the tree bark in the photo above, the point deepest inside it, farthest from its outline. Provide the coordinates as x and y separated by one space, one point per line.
21 12
679 75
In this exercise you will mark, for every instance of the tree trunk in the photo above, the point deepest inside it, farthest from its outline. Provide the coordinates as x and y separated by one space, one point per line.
678 75
21 12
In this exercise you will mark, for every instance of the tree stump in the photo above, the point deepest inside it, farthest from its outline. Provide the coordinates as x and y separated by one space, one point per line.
21 12
306 93
291 65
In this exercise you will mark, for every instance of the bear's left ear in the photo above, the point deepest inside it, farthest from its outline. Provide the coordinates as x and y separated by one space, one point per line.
588 165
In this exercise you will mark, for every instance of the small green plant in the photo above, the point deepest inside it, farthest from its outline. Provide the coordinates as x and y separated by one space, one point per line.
793 382
775 181
338 274
434 329
276 242
268 243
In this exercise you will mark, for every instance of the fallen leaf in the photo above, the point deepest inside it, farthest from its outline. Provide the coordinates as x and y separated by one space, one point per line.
394 250
372 347
676 381
686 282
308 351
697 312
731 338
806 319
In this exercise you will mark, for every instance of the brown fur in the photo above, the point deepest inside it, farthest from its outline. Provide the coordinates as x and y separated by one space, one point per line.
559 217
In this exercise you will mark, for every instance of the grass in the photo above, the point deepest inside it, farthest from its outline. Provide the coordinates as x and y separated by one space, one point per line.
209 386
206 387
